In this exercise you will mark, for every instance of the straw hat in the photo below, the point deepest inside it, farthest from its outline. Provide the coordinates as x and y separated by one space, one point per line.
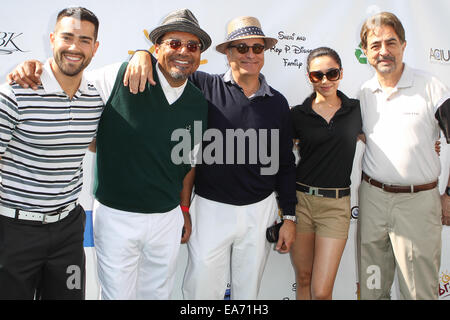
245 28
181 20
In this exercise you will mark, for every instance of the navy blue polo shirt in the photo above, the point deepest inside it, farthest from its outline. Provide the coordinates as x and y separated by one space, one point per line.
242 183
326 149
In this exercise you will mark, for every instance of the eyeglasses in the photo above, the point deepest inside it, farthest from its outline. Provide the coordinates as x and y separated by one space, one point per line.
176 44
332 75
243 48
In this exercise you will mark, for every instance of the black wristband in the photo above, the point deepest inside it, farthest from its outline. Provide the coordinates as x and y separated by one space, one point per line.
447 191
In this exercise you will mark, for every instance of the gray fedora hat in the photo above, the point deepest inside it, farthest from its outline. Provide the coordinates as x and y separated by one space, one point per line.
181 20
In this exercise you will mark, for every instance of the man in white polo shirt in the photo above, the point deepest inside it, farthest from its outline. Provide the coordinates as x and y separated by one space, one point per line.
400 206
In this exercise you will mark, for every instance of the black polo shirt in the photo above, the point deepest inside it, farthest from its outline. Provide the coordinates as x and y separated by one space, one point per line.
326 149
243 183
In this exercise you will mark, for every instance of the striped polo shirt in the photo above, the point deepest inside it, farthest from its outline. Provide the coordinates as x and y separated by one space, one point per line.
44 136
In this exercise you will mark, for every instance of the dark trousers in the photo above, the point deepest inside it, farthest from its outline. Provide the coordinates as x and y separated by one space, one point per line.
43 261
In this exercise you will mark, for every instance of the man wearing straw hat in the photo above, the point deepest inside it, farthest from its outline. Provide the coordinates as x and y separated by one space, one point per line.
142 196
234 203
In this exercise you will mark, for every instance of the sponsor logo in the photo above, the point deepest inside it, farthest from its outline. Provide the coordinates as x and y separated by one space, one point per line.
360 56
293 289
9 42
440 55
227 295
444 285
354 212
88 241
291 49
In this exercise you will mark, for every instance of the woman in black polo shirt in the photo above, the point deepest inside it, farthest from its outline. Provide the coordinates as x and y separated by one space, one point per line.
326 125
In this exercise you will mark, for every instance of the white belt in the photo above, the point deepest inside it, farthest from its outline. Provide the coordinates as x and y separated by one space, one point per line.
36 216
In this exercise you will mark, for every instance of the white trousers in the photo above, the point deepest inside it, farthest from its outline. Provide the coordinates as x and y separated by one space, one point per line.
227 241
136 252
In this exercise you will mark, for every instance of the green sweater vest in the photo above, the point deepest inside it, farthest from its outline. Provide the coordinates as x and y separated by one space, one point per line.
134 169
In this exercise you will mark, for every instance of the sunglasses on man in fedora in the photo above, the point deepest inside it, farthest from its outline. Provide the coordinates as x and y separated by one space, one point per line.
243 48
176 44
332 75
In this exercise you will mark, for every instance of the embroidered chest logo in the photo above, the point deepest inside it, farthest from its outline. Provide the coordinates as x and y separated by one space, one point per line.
411 113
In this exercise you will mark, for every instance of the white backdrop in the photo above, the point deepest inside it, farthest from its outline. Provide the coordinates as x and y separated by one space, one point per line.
300 26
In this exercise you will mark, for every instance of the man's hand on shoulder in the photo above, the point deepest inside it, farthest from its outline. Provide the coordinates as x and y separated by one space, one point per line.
27 74
139 71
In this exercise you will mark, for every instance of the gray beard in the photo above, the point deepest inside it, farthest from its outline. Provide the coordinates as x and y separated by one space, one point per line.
178 75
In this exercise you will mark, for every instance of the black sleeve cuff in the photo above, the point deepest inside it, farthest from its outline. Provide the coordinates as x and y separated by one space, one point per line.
289 210
443 117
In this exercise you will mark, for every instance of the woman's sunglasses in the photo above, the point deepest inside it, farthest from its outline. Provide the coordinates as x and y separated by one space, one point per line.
332 75
243 48
176 44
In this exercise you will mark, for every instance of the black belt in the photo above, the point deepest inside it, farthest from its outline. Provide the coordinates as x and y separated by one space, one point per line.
327 193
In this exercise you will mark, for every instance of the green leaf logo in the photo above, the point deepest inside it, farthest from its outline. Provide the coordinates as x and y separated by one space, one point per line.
360 55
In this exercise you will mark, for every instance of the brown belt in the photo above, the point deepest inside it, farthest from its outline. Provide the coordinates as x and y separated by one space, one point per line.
399 189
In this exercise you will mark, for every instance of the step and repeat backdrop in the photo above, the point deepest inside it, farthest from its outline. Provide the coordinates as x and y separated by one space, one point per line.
299 26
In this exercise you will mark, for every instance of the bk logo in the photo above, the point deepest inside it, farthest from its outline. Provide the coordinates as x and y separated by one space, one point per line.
8 42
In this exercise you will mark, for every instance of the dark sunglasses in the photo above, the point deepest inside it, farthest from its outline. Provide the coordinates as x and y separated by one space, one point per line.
243 48
176 44
332 75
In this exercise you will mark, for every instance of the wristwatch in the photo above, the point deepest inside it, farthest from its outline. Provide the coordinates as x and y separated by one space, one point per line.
289 217
447 191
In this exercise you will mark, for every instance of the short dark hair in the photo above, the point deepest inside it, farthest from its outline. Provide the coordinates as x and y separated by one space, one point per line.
81 14
382 19
323 51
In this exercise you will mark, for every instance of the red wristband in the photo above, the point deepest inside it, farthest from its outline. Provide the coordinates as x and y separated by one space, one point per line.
184 208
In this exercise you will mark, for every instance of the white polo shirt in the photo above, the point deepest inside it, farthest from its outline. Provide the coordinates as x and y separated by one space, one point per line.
401 129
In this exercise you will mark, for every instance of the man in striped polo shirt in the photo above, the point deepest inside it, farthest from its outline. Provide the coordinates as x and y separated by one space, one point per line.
44 136
143 187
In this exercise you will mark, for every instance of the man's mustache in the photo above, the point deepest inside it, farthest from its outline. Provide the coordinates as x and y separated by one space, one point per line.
390 58
80 54
182 57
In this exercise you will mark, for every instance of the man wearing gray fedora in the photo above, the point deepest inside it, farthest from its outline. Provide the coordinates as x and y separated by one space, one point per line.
142 195
236 201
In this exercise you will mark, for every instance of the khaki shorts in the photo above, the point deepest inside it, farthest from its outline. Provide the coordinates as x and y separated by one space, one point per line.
327 217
